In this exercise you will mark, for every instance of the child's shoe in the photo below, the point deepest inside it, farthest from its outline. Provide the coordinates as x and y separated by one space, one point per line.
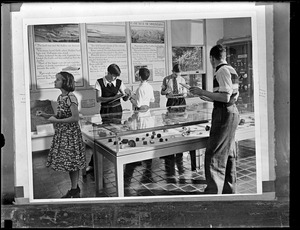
73 193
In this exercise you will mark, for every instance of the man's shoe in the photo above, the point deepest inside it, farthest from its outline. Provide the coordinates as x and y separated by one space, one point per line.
171 179
181 177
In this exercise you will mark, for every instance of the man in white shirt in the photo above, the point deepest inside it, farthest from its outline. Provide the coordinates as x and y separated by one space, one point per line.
175 94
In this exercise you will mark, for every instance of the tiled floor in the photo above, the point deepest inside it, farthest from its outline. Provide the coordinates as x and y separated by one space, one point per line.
51 184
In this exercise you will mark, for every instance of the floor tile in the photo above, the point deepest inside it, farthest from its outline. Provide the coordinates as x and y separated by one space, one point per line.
51 184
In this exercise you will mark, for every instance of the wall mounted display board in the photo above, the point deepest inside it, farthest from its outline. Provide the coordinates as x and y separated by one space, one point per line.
148 48
56 47
106 44
188 50
190 58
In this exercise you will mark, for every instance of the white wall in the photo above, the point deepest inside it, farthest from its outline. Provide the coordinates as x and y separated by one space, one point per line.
234 28
214 32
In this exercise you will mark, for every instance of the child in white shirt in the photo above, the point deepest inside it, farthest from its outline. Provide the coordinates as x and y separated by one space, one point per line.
141 102
144 93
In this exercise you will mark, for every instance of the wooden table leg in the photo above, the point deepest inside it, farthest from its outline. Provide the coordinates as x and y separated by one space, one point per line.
193 160
119 171
98 170
84 169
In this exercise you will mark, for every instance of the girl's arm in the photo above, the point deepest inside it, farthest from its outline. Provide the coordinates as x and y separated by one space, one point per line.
73 118
43 114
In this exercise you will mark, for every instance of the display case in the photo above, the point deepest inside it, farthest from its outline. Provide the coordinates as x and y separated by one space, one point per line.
239 56
135 130
140 135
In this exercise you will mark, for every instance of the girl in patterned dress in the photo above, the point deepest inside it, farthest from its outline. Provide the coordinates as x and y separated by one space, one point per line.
67 151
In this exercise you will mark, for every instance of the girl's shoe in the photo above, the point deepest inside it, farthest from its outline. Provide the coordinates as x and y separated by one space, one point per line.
89 169
73 193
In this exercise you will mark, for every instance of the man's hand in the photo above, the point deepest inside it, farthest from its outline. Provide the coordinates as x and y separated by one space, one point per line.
196 91
235 98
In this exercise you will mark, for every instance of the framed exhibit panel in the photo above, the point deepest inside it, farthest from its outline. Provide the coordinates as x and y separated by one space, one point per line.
188 45
188 50
190 58
149 33
148 48
55 47
106 44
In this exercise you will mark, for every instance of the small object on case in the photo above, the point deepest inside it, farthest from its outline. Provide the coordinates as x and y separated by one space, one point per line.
166 139
137 139
131 143
125 141
145 142
242 121
102 133
185 85
207 128
158 135
161 140
147 134
153 132
151 142
115 142
152 136
109 140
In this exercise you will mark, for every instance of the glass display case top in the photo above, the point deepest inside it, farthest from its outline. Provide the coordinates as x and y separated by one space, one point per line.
129 122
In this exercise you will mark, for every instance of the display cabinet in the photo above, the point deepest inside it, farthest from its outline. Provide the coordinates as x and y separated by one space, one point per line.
239 56
137 136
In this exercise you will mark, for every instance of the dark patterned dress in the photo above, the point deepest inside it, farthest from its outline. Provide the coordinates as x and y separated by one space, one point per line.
67 151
